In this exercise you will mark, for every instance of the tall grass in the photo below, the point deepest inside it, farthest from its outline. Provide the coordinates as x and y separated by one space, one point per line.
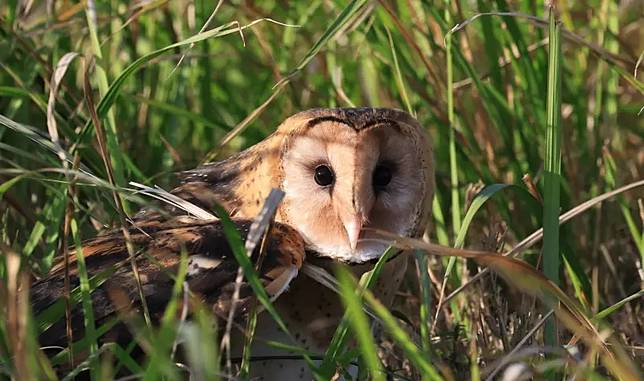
552 168
500 94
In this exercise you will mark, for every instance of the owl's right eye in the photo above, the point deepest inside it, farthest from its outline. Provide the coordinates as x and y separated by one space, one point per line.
324 175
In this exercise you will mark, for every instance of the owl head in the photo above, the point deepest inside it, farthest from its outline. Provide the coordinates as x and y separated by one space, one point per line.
346 172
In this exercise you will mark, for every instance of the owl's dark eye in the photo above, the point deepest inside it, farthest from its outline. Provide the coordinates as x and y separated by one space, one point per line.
381 177
324 175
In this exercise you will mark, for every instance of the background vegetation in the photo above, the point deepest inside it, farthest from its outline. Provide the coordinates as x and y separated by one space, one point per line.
168 104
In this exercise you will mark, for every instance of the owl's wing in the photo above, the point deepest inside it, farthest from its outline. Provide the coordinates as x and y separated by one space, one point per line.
211 270
212 184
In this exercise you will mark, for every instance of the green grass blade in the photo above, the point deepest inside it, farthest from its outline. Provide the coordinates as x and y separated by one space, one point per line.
453 163
359 324
400 83
86 298
339 341
610 177
413 353
199 338
609 310
125 358
160 361
425 285
552 169
439 222
480 199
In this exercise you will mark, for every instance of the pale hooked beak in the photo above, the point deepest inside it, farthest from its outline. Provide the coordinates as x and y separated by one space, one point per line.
353 227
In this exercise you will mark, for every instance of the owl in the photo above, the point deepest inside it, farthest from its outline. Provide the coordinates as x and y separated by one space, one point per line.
344 172
341 170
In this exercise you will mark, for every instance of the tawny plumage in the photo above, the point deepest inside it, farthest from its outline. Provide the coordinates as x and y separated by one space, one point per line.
211 271
344 172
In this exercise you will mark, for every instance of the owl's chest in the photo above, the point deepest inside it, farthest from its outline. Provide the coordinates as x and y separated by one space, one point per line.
312 313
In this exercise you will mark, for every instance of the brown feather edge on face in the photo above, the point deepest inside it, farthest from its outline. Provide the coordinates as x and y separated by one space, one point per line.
424 151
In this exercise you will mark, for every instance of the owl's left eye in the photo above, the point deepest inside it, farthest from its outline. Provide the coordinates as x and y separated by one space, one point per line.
381 177
324 175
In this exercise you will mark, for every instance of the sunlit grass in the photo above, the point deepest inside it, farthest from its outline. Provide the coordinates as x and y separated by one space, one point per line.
499 99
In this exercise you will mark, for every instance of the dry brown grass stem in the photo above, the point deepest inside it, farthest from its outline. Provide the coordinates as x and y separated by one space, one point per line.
102 143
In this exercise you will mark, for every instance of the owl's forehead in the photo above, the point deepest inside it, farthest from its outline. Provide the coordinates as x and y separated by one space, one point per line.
358 125
333 131
361 118
340 143
331 141
350 135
